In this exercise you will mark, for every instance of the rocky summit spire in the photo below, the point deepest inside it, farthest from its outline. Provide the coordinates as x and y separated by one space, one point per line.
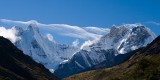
33 27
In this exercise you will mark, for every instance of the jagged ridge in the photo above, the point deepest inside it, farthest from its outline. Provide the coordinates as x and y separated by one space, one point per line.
106 51
143 65
41 49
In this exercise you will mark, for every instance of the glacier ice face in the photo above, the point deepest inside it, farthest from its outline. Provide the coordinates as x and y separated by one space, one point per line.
42 49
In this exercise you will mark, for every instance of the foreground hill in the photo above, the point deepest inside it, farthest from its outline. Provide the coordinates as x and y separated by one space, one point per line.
143 65
14 65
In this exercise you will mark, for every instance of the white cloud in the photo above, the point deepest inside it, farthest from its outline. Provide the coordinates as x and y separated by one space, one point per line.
155 23
96 30
17 22
86 44
9 34
71 31
50 37
75 43
88 33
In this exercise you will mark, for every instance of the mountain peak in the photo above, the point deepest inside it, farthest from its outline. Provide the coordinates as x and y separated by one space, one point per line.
115 31
41 49
18 28
33 27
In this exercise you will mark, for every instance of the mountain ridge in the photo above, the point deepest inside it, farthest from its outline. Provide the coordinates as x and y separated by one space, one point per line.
119 40
101 53
41 49
143 65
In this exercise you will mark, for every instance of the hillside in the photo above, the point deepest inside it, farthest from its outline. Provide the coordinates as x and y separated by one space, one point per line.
143 65
14 65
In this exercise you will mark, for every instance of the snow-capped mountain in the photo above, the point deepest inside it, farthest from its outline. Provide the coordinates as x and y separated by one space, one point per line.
42 49
125 38
106 51
109 50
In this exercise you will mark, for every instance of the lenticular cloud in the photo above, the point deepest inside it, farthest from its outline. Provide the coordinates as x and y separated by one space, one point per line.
85 33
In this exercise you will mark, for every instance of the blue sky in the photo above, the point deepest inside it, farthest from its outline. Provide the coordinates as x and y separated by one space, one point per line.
83 13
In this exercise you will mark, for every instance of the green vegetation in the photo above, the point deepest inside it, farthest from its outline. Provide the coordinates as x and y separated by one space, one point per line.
147 68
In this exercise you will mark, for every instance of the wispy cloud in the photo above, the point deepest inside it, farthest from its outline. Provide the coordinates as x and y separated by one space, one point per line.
17 22
96 30
153 22
71 31
86 44
86 33
75 43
